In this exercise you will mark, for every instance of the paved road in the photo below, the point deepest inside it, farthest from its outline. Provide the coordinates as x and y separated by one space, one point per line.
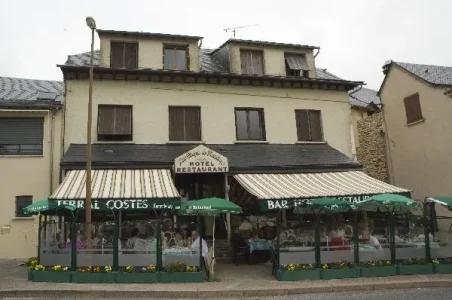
402 294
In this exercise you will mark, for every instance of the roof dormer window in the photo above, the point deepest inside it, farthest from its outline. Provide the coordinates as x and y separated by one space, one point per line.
124 55
296 65
175 58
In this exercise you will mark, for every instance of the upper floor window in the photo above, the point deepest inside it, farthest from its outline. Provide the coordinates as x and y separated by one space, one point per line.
296 65
124 55
309 125
252 62
114 123
413 109
21 203
250 124
175 58
184 123
21 136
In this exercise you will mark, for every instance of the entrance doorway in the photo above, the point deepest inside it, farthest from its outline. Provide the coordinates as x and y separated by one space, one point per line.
204 185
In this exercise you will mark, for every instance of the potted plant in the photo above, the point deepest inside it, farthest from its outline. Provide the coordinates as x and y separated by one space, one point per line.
378 268
339 270
56 273
293 272
132 274
415 266
180 272
442 265
93 275
31 264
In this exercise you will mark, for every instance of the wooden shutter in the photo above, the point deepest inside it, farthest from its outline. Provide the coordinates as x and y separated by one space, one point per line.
106 120
413 108
21 131
117 55
122 120
315 124
131 56
192 123
257 62
302 119
176 124
246 61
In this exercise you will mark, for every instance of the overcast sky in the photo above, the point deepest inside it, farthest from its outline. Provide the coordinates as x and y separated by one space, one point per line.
356 36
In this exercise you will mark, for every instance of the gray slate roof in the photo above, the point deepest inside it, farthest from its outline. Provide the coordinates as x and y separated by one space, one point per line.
364 97
21 91
207 62
433 74
242 157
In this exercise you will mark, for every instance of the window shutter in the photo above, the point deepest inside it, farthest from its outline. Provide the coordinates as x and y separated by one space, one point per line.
192 123
131 55
302 119
106 120
315 123
117 55
245 59
21 131
413 108
122 120
257 63
176 124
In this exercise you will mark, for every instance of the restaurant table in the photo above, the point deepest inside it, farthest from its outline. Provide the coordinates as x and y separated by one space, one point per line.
184 255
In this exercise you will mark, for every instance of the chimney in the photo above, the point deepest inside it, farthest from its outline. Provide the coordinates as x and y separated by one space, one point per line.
386 66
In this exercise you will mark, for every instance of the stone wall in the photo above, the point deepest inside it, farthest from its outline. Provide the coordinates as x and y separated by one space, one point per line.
372 147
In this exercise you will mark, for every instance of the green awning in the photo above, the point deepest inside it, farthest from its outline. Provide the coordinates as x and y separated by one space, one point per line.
125 204
444 201
46 206
210 207
325 205
390 202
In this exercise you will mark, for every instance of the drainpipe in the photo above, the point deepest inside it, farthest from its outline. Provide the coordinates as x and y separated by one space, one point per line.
357 90
52 144
318 51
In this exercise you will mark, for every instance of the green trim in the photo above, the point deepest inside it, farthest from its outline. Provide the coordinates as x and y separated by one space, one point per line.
442 268
340 273
415 269
298 275
379 271
81 277
48 276
137 277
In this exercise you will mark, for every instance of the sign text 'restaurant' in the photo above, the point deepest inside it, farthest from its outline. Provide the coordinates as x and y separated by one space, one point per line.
201 160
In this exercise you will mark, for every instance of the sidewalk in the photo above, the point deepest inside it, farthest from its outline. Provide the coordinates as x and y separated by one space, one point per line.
236 281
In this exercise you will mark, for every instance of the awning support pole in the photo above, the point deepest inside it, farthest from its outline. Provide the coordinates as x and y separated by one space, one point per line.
426 222
392 238
228 216
278 233
73 246
317 242
356 237
159 247
201 235
39 238
115 246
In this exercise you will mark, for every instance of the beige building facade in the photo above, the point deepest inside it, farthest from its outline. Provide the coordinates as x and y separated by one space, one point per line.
30 152
416 115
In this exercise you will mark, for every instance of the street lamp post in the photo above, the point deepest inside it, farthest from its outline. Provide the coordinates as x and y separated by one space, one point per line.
91 23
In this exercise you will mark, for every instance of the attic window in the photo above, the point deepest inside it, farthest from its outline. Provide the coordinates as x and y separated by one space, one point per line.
46 95
296 65
413 109
175 58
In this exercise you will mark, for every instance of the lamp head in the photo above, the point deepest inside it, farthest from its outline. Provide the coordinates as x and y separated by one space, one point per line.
91 23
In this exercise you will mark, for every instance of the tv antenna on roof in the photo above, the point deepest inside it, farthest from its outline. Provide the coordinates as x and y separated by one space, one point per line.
234 29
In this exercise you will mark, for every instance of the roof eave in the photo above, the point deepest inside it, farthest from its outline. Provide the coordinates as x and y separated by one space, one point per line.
348 84
101 32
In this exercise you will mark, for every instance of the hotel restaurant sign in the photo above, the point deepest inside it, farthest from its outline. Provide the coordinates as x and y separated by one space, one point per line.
201 160
286 204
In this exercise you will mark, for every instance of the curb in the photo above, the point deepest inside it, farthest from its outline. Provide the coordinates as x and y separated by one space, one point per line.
73 294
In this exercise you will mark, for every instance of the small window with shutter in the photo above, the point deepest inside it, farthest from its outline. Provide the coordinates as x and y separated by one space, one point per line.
309 125
21 203
252 62
413 109
296 65
124 55
184 123
114 123
175 58
21 136
250 124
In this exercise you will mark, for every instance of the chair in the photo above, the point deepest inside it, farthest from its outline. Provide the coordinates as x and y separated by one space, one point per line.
239 248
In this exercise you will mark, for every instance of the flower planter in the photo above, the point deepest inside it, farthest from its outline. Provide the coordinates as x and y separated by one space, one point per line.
165 277
137 277
184 277
30 275
82 277
340 273
443 268
379 271
415 269
47 276
298 275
